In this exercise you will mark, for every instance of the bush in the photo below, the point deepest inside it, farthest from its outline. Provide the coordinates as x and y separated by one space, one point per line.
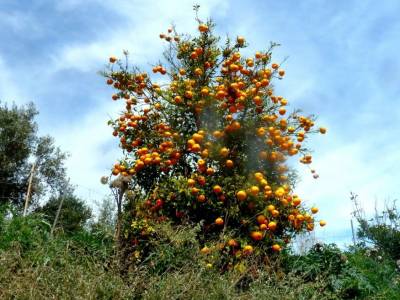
29 232
382 231
381 279
73 216
331 267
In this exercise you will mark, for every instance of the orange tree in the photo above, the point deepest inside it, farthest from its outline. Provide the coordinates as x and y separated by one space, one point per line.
209 144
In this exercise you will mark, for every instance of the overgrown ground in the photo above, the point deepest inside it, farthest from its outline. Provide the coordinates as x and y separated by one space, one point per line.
83 265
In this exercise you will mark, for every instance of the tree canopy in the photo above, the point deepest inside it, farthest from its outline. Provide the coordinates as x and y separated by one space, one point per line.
20 148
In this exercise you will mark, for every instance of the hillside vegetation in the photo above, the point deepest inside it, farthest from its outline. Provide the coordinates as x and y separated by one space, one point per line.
84 265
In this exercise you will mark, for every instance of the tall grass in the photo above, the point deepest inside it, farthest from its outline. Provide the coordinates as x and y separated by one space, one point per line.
85 265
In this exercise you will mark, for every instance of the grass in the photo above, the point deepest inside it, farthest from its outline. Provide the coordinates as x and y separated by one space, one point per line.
84 266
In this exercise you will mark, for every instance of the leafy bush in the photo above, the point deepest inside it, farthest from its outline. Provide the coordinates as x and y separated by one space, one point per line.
73 216
378 271
382 231
329 265
29 232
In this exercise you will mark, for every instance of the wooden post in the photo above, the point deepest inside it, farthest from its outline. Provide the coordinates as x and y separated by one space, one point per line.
28 193
57 215
352 232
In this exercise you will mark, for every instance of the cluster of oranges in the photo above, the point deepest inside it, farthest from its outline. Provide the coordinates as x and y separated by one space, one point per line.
219 139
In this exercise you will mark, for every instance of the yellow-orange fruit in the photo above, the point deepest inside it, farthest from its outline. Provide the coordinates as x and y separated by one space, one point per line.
241 195
219 221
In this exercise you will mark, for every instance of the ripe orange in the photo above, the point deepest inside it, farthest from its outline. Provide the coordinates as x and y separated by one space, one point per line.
240 40
196 148
275 213
178 99
217 189
219 221
314 210
296 201
232 243
247 250
234 68
189 94
203 28
322 130
258 176
201 162
254 190
279 192
224 152
256 235
113 59
229 163
204 91
322 223
276 248
241 195
272 226
217 134
210 171
198 137
261 219
198 71
201 198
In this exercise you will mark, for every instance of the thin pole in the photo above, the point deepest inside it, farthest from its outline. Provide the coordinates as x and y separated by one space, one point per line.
28 193
57 215
352 232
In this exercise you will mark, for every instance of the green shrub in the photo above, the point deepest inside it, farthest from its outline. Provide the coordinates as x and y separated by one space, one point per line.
328 264
29 232
74 213
382 231
378 272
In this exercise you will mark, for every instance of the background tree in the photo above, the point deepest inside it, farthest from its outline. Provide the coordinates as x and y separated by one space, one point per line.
20 147
73 216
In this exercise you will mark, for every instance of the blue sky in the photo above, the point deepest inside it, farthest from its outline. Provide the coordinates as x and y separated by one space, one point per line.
343 65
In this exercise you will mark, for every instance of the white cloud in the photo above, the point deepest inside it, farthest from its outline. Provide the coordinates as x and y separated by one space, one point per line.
9 89
85 138
138 35
88 143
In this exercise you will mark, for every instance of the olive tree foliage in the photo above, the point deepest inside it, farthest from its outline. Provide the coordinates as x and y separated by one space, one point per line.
20 148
